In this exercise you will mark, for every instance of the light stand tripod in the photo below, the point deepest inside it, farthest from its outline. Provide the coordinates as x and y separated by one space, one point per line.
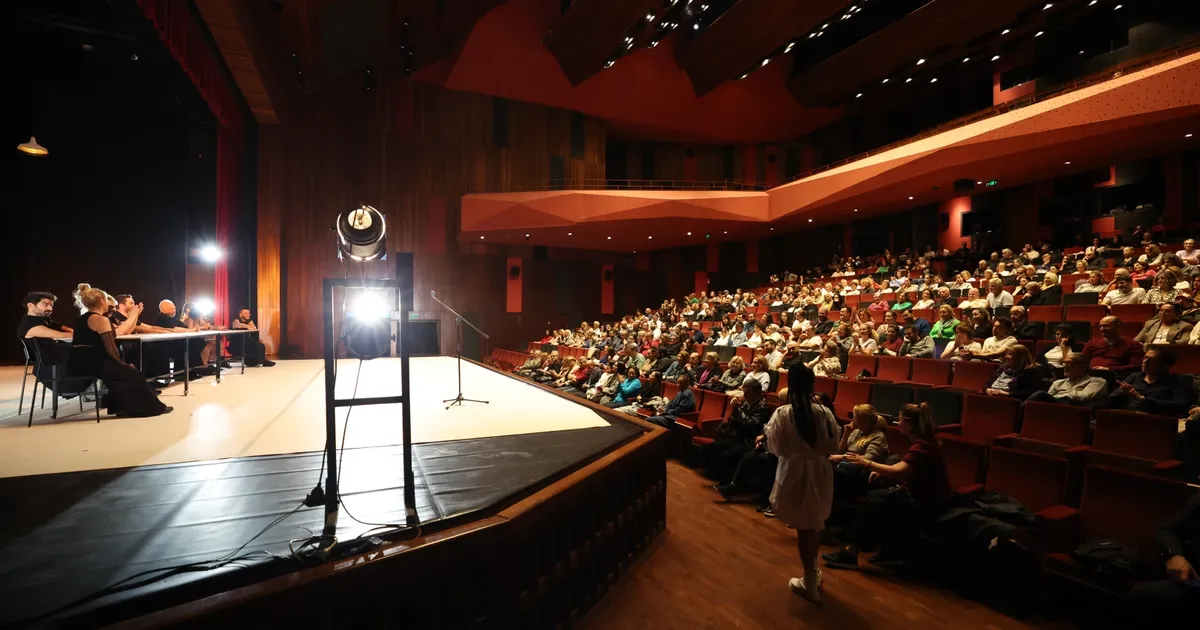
459 320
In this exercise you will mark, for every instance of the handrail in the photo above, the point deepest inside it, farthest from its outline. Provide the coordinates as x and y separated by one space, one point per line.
642 184
1185 48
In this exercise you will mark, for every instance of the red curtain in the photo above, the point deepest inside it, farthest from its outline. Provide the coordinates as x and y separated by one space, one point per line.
179 28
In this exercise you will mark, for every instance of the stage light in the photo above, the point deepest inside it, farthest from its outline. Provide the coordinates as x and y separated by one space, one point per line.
203 306
966 59
654 43
995 57
649 17
856 209
1093 2
859 95
1068 163
979 183
1048 5
1005 31
695 27
481 238
933 80
1187 135
361 234
885 80
1038 34
1118 7
649 238
32 147
920 61
570 234
368 328
766 61
610 238
789 48
908 80
609 63
810 220
210 254
910 198
526 236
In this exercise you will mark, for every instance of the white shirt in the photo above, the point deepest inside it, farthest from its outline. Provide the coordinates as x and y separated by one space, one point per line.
991 344
951 351
812 342
1004 299
1136 295
754 342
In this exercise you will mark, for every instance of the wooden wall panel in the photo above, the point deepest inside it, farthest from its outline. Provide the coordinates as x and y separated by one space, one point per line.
343 149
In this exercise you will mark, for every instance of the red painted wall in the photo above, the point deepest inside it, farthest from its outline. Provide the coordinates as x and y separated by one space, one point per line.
606 290
701 282
950 234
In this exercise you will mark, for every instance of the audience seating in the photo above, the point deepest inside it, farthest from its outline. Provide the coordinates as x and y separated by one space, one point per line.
1118 505
856 363
888 398
1073 299
747 355
1130 435
946 404
1090 313
925 313
930 372
1048 314
1039 482
1133 313
827 385
1047 423
972 376
713 409
1187 359
849 394
892 369
965 463
1081 331
986 417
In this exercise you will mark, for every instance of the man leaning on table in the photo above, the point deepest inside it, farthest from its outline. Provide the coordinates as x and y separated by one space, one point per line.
255 352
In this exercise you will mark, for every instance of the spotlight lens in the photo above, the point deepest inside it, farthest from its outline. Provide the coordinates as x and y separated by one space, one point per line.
369 306
203 306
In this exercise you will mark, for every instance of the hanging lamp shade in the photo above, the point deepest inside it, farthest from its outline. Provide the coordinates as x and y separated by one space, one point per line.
32 147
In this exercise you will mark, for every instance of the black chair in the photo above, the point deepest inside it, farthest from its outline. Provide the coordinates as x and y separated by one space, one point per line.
887 398
1082 331
1081 298
946 404
59 385
1001 311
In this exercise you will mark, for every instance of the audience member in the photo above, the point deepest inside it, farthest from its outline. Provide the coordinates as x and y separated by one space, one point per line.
1022 328
1166 328
963 346
1154 389
997 296
1176 597
998 343
915 346
827 363
1124 291
981 323
1111 353
735 437
1076 387
864 436
1094 284
892 516
683 403
1064 344
944 328
1018 377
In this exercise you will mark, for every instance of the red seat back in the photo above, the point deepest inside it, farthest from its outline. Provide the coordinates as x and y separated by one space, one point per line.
1091 313
747 355
1129 507
894 368
973 375
853 300
1057 424
826 385
924 313
965 460
671 389
783 381
1133 313
1045 313
898 443
856 363
714 406
1037 481
985 417
931 372
849 394
1136 434
1187 359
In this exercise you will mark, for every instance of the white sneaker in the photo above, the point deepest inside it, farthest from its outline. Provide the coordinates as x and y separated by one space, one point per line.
798 588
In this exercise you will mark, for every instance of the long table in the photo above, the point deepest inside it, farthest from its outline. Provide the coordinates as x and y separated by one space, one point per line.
144 338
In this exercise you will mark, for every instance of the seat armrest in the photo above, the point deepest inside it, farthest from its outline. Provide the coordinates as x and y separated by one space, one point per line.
954 428
1057 528
1167 466
961 390
915 384
1005 440
708 428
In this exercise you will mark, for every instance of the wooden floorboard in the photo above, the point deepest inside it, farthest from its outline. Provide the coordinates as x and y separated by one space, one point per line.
726 566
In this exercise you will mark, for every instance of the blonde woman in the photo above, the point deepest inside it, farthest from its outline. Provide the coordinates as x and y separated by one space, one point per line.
864 436
826 363
94 355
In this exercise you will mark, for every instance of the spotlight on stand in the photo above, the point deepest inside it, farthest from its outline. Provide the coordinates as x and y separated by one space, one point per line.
210 254
368 328
204 306
361 234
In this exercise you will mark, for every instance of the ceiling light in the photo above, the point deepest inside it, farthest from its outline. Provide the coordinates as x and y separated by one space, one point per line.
704 7
481 238
743 76
689 233
1118 7
725 232
766 61
1038 34
610 238
1092 2
1006 31
649 238
654 43
908 80
856 209
810 220
910 198
995 57
1048 5
920 61
824 26
609 63
885 80
933 80
649 17
1081 52
695 27
773 229
32 147
1187 135
966 59
570 234
789 47
628 40
979 183
812 35
1068 162
526 236
859 95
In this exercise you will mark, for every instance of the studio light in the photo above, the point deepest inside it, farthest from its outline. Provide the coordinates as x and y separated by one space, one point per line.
210 254
368 329
32 147
362 233
203 306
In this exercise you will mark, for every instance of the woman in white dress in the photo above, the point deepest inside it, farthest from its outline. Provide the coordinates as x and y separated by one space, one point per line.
802 435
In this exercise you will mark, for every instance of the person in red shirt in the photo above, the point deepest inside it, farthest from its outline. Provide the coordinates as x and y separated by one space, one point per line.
897 513
1112 355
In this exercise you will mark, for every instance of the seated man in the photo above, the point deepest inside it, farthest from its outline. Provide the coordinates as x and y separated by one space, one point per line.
1077 388
915 345
1174 598
36 324
1124 291
1001 340
169 321
1112 355
683 402
735 436
254 350
1022 327
1155 389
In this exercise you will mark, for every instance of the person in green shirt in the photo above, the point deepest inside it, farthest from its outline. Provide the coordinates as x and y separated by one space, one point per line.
943 328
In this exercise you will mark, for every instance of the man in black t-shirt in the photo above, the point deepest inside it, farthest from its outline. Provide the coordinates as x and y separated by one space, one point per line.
255 353
36 324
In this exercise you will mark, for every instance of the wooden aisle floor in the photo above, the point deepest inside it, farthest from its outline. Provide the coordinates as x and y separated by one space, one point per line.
725 566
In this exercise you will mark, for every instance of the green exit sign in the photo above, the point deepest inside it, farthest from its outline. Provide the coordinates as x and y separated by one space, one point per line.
412 316
992 182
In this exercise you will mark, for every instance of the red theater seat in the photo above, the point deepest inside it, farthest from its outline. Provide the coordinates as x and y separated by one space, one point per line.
965 462
1061 425
1133 313
1045 314
849 394
856 363
1187 359
1091 313
986 417
893 369
713 410
925 313
1037 481
747 355
972 376
827 385
930 372
1134 434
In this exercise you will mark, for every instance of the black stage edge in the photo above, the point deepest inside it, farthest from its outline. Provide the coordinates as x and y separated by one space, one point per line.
69 535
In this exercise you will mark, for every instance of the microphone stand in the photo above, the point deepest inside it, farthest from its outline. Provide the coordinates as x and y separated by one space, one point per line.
459 320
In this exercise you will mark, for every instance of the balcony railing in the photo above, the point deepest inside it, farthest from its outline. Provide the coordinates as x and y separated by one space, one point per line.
642 184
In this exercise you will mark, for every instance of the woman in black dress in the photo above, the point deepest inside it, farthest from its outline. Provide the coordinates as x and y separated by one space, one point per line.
94 354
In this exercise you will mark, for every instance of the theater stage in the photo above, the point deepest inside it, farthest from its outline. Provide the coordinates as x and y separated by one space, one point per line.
88 504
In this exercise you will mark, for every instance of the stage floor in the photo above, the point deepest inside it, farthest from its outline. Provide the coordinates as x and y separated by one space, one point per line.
278 410
69 535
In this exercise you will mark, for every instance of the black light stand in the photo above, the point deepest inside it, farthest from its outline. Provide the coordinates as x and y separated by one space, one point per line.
459 320
402 283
